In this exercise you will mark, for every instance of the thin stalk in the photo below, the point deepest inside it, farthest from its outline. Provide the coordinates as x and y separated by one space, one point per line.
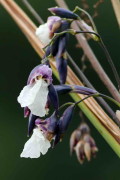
87 82
90 18
102 45
33 12
116 7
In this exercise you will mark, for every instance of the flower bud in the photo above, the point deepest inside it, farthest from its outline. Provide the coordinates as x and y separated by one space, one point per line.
63 13
31 123
63 89
66 118
83 90
53 96
61 63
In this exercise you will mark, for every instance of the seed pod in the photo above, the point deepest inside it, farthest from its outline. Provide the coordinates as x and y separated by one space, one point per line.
63 13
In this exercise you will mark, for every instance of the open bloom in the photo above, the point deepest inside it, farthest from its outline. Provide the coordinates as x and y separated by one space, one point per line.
35 94
45 31
36 145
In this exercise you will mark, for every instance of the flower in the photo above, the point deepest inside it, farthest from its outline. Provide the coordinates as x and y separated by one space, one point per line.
35 94
45 31
36 145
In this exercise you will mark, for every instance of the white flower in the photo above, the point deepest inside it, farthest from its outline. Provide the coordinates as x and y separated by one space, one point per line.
36 145
43 33
118 114
34 96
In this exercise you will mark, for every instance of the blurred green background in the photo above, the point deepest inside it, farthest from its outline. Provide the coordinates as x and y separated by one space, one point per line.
17 60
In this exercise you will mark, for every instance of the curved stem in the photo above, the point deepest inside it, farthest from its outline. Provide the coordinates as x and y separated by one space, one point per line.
66 104
89 16
110 99
102 45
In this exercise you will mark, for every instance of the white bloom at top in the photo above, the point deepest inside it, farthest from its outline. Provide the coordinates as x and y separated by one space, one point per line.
118 114
36 145
34 96
42 33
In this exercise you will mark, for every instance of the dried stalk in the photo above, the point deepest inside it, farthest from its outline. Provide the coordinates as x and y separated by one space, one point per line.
116 7
107 128
91 56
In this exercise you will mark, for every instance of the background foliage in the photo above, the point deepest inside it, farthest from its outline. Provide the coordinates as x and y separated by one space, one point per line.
17 60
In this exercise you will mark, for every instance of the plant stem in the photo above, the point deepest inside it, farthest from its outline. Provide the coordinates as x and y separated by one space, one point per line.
33 12
116 7
102 45
90 18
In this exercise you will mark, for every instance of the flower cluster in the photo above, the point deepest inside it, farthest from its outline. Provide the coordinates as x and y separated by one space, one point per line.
40 94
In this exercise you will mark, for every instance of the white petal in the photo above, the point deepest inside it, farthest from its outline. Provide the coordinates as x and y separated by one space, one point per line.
36 145
29 93
38 106
35 97
43 33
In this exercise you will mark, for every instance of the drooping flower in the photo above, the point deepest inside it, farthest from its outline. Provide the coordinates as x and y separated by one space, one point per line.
45 31
35 94
82 143
36 145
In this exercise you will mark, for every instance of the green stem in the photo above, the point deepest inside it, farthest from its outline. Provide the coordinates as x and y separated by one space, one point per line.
66 104
110 99
89 16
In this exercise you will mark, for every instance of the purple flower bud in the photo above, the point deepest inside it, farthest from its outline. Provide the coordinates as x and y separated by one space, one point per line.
54 47
40 70
63 13
53 96
65 25
31 123
83 90
62 68
48 126
66 119
63 89
62 44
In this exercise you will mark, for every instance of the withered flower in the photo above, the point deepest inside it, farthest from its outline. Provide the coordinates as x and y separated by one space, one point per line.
82 143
